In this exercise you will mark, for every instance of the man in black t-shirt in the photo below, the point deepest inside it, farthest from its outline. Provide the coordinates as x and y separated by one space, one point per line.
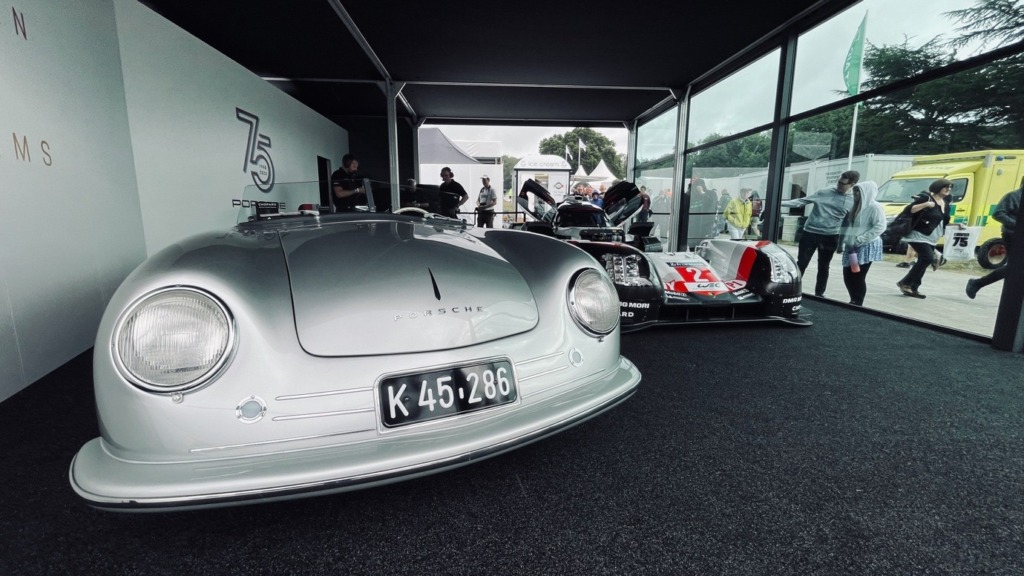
347 184
453 194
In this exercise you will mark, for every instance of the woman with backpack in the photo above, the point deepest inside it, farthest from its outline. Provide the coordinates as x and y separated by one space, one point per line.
931 215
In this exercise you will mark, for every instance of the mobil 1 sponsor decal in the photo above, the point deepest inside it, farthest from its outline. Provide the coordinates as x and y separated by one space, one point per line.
634 311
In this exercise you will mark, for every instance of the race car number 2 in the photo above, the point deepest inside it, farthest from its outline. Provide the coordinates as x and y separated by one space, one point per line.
422 397
698 280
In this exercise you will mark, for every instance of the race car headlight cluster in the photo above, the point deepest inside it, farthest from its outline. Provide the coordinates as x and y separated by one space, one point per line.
624 269
173 340
593 302
783 268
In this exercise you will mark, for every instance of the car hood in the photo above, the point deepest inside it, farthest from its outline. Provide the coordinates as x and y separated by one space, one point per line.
389 287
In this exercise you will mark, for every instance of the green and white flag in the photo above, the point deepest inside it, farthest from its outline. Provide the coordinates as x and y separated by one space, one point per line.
851 68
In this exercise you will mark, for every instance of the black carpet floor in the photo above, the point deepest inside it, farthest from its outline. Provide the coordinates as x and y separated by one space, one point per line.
860 445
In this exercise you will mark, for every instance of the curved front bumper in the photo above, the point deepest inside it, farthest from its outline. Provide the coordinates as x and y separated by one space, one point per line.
116 484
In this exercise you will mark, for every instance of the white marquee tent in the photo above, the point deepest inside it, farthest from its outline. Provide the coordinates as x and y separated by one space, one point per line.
436 151
602 175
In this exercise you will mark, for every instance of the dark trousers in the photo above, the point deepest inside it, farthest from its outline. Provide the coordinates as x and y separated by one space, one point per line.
925 257
826 245
485 218
856 283
993 276
999 273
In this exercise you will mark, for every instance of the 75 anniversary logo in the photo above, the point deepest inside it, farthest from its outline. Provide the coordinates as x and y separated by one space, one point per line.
257 152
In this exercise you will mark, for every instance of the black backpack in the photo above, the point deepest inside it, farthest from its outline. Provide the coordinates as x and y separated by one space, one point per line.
903 223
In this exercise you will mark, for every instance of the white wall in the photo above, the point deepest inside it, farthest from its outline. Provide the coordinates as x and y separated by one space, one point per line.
70 226
133 143
190 148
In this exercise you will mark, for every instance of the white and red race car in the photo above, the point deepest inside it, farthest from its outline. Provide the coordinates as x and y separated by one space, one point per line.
719 280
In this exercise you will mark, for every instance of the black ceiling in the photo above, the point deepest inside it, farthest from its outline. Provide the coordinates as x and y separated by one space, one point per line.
595 63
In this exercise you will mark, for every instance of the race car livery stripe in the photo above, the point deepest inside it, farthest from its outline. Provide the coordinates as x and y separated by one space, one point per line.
746 264
696 278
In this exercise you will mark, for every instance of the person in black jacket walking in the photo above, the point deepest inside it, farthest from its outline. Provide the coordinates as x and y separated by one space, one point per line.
931 215
1006 214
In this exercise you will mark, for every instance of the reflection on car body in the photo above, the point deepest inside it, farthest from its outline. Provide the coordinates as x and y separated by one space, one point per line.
310 353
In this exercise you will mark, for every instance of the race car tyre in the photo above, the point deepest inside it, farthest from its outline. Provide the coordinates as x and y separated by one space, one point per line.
992 254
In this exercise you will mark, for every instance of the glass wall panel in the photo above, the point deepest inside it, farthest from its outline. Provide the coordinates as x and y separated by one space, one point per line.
655 167
716 176
656 139
744 100
968 128
899 40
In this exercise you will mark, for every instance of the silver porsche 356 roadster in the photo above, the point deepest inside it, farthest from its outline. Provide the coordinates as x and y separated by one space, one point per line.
307 353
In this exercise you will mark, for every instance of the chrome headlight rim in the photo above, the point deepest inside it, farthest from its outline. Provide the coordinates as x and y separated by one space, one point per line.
209 375
578 315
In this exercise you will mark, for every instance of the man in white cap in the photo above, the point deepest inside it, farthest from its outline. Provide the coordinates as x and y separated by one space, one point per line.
485 204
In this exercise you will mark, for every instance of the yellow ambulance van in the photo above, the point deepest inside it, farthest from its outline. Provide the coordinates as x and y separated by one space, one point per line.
979 179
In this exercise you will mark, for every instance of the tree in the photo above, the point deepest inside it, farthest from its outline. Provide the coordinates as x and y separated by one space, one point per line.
507 177
996 22
978 108
974 109
598 147
750 151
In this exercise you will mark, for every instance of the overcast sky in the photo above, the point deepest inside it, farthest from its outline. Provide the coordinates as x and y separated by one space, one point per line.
519 141
819 74
732 106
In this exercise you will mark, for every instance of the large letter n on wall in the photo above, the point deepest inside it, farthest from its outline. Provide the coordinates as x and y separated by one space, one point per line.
19 24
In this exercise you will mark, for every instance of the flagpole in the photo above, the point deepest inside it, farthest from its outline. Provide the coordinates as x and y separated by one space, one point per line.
856 54
853 136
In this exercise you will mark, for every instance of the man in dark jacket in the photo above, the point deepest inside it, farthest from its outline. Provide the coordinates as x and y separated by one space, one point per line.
347 184
453 194
1006 214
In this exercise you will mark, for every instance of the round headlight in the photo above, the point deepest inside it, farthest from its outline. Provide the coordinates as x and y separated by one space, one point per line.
593 302
173 339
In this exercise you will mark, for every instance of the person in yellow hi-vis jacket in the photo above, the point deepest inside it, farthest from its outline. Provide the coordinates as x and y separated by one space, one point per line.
737 214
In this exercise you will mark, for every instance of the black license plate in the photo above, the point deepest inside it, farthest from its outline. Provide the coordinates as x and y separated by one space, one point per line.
413 398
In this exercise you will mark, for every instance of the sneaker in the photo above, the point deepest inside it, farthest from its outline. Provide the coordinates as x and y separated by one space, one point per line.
905 288
905 264
972 288
916 294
